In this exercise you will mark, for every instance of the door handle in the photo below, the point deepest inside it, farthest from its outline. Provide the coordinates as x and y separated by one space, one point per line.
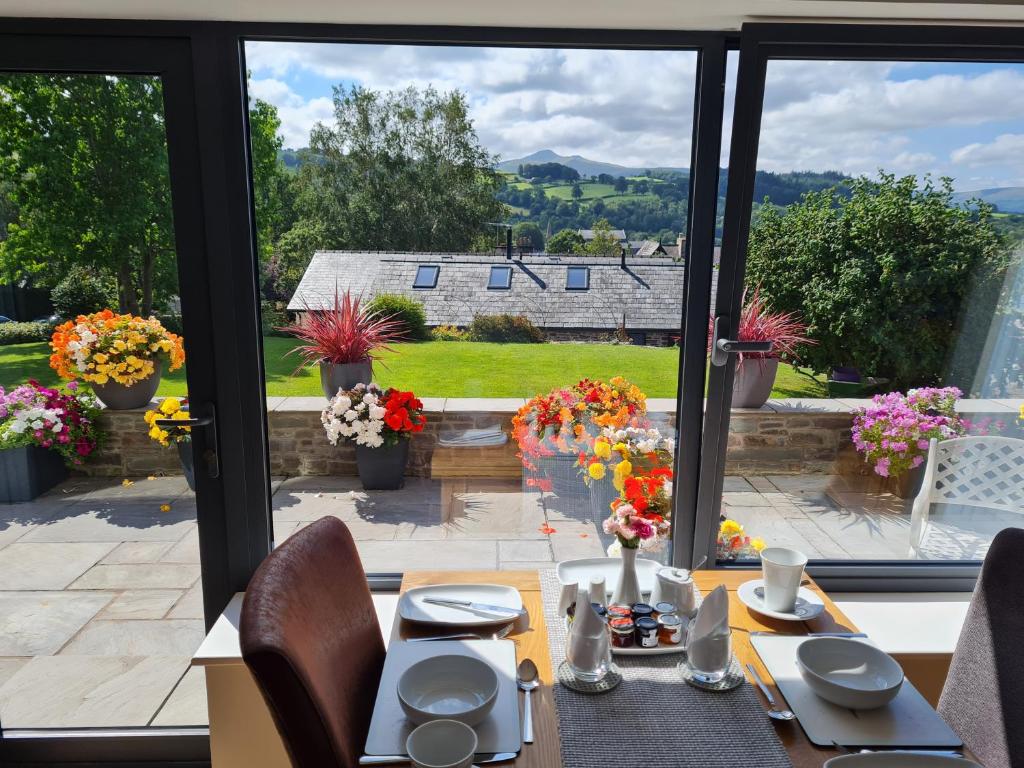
208 421
722 347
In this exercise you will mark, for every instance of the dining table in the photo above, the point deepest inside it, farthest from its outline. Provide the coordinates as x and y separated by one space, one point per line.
533 643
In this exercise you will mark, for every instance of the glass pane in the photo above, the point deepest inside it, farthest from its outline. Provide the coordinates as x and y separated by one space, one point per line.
426 277
99 564
884 264
513 169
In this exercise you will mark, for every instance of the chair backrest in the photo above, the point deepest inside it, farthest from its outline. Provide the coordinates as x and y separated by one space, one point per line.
310 637
976 471
983 698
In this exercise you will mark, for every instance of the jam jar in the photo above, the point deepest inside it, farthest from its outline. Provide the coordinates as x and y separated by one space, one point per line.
642 611
670 629
646 632
622 632
619 612
660 608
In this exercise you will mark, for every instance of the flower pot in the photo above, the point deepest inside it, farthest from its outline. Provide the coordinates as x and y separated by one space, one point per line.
335 376
187 464
28 472
907 485
753 382
563 470
382 469
118 397
627 588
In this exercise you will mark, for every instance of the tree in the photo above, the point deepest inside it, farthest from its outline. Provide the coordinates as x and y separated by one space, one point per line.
565 241
271 184
890 276
604 243
292 254
88 154
401 170
577 191
621 185
530 233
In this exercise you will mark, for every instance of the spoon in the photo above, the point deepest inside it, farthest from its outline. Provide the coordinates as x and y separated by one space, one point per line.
526 679
774 713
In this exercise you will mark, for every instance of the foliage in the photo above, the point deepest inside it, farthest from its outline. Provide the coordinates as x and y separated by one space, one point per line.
408 312
371 416
548 172
446 333
527 234
105 346
81 292
566 241
272 319
402 170
759 323
893 433
59 420
504 328
891 279
170 408
346 333
604 242
22 333
89 154
292 254
272 190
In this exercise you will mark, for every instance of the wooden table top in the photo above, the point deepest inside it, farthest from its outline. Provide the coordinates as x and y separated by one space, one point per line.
544 752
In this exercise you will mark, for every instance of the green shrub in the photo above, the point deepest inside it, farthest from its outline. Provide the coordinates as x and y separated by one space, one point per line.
505 328
172 323
409 312
448 333
81 292
23 333
273 318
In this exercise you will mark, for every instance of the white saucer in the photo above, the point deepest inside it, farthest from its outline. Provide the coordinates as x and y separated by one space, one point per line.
808 604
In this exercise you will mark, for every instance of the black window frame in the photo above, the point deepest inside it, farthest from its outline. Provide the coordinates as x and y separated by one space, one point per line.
417 285
576 269
507 282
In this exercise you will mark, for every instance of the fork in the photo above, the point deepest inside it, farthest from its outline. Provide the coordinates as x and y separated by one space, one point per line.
464 636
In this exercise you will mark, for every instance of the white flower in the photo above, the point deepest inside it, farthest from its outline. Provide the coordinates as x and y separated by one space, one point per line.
341 404
370 399
377 412
350 415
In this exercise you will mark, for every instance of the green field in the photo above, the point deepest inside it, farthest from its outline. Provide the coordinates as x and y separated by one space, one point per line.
452 369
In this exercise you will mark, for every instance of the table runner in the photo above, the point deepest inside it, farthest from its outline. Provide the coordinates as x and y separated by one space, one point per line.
654 718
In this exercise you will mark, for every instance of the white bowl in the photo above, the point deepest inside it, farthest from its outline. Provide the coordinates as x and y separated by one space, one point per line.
448 687
898 760
442 744
849 673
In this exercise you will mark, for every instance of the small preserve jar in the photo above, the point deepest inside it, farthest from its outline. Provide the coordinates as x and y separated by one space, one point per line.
622 632
641 611
646 632
619 612
670 629
660 608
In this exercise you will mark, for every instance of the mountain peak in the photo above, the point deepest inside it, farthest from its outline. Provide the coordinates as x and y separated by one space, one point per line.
584 166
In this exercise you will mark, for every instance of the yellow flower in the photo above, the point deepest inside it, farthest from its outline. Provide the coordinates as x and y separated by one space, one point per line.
165 507
757 544
1021 414
596 470
622 470
170 405
127 483
730 528
602 449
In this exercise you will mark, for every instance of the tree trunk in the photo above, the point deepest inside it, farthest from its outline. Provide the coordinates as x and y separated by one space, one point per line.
148 263
127 296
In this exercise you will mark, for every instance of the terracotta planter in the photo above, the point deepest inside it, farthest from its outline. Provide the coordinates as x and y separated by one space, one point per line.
344 376
187 464
28 472
753 382
118 397
383 469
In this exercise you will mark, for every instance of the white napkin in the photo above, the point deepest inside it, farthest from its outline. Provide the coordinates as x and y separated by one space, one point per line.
587 647
708 644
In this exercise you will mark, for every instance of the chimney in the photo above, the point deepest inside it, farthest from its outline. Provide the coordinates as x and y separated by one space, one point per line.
622 254
681 242
508 243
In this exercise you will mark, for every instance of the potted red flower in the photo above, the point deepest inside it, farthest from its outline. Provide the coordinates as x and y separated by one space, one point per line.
380 423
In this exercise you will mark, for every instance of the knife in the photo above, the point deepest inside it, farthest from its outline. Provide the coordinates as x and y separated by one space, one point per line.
492 757
484 607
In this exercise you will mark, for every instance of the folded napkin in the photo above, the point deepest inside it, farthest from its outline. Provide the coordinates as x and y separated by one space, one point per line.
587 648
708 646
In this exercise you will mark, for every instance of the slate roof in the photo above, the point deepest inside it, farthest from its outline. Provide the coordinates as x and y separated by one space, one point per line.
648 248
648 291
588 234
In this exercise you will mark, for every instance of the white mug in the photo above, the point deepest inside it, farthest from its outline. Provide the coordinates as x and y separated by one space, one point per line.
783 570
442 744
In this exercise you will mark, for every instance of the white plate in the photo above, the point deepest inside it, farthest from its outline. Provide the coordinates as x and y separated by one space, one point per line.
660 650
898 760
412 608
808 604
580 571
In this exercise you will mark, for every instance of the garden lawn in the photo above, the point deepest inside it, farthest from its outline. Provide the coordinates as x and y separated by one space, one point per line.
451 369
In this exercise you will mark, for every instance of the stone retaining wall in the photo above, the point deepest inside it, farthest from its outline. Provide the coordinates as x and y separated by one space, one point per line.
783 437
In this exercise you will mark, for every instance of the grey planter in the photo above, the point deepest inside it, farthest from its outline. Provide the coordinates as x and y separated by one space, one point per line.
752 385
344 376
187 465
118 397
383 469
28 472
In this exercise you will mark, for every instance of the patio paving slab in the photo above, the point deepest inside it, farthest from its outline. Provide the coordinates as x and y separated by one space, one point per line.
136 552
524 550
40 623
138 576
187 703
88 691
186 550
32 566
391 556
80 523
141 604
190 606
9 665
176 637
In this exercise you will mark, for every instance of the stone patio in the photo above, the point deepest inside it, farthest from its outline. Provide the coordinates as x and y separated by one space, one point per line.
101 608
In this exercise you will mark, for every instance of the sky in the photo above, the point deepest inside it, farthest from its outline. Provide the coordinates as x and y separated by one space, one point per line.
635 107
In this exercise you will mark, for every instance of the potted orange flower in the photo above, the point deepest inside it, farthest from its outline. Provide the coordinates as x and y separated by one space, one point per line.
121 356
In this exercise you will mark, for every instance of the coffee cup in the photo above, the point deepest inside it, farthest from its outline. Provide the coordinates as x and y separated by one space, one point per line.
442 744
783 570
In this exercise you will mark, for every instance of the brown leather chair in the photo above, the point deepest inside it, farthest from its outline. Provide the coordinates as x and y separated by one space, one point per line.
310 637
983 698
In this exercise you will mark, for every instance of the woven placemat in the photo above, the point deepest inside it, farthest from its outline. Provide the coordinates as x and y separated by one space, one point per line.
653 717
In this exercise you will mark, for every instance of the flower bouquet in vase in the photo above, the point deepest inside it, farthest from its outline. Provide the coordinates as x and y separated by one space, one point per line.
174 408
381 423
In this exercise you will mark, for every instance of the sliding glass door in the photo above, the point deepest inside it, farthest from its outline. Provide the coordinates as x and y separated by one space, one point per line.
872 234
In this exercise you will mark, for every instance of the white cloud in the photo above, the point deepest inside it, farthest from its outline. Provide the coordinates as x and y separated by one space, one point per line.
1005 148
297 114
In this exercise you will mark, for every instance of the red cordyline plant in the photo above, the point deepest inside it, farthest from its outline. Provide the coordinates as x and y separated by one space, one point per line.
346 333
759 323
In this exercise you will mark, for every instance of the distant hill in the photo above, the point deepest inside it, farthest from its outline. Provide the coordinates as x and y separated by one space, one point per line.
1005 199
584 166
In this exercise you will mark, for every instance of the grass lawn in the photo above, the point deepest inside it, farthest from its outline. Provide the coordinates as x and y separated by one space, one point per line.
452 369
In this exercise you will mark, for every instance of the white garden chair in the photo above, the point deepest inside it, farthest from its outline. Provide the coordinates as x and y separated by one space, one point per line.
975 471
